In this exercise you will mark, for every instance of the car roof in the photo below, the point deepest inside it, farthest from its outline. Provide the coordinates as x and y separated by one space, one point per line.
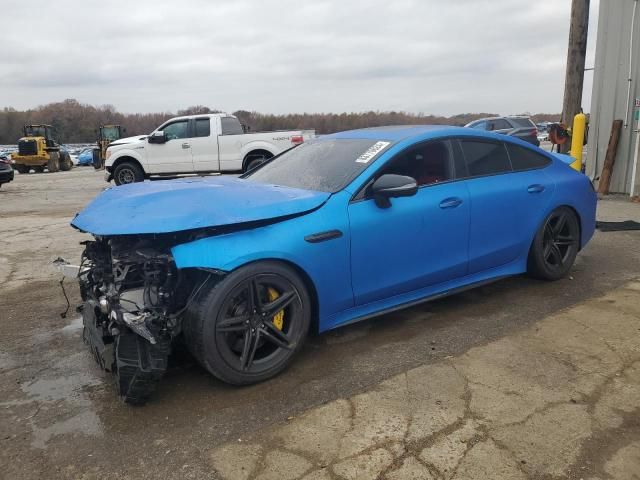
393 133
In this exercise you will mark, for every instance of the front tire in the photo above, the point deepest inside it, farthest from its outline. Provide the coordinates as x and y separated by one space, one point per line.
22 168
248 327
127 172
53 164
555 246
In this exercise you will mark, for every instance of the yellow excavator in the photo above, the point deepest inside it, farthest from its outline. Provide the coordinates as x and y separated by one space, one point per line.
38 150
106 135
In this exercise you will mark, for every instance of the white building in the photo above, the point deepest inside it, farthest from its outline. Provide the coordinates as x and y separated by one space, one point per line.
613 97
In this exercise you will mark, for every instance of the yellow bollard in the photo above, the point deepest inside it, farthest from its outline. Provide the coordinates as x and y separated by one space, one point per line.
577 140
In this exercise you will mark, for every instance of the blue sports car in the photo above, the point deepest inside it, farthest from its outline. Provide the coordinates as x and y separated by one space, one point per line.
338 229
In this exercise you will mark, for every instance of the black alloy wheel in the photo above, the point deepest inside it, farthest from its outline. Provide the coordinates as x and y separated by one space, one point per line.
556 245
251 330
249 326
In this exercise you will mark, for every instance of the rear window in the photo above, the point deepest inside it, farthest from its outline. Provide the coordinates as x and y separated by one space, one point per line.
320 165
231 126
526 159
522 122
485 158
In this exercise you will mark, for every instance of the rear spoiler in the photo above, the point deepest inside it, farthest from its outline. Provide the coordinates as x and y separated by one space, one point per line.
568 159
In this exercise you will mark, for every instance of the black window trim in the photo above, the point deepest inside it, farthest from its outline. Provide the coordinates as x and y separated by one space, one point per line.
483 140
546 165
360 194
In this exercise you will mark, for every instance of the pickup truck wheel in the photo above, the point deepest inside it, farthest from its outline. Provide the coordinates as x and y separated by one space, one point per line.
255 160
127 172
248 327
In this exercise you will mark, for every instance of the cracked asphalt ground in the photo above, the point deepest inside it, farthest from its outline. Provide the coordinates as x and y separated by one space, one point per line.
518 379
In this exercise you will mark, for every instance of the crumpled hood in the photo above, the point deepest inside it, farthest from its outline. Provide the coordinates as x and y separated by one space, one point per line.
186 204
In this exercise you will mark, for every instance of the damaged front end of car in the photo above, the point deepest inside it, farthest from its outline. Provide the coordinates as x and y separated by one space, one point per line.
135 295
132 299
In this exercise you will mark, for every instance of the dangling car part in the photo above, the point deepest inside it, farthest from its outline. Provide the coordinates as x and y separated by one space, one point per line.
132 294
338 229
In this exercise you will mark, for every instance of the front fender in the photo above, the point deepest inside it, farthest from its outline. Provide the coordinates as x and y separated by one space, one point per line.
135 153
326 263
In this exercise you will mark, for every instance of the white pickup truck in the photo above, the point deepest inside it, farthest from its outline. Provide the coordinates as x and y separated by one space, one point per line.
195 144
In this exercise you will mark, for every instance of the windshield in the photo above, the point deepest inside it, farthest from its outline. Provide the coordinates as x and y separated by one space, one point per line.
35 131
110 133
320 165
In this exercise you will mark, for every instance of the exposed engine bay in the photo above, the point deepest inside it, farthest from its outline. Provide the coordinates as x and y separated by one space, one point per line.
133 297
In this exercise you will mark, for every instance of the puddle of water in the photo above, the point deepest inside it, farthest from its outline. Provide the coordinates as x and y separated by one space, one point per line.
73 327
86 422
63 394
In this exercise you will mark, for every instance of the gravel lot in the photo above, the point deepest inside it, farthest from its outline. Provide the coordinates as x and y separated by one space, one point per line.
59 417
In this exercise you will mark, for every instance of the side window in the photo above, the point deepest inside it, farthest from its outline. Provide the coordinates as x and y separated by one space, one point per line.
428 163
176 130
231 126
525 159
480 125
203 127
499 124
485 158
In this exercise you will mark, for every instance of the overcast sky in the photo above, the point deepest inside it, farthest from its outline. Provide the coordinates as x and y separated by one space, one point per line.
430 56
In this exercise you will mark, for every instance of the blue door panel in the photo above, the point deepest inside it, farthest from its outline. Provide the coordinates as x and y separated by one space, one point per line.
413 244
505 215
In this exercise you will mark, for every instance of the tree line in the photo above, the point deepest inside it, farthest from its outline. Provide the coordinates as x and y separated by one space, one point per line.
75 122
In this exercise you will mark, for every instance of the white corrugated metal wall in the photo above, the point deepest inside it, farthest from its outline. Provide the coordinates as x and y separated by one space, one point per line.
609 97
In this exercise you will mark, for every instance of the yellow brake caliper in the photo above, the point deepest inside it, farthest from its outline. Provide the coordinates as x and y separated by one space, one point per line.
278 318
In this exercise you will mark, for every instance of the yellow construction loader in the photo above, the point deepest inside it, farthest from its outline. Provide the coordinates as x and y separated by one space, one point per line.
106 135
38 150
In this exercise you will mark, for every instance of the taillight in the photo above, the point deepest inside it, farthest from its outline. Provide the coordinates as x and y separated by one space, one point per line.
535 132
297 139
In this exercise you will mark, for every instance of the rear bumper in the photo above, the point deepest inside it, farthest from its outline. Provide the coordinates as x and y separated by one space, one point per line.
30 160
6 176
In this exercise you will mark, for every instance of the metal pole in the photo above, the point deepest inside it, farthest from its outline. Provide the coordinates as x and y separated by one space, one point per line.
576 53
633 20
634 169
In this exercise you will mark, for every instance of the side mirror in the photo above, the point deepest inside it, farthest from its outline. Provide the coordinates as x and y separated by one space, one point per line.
157 137
390 186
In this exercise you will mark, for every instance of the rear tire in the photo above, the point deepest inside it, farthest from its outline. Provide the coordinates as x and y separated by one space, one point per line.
53 165
127 172
22 168
253 161
241 347
555 246
38 169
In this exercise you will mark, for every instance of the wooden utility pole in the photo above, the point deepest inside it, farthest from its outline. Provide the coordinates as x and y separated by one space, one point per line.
576 54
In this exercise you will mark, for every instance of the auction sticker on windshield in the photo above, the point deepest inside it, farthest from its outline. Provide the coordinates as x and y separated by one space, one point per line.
372 151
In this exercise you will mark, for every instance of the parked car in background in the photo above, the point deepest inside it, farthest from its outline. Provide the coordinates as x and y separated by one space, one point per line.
336 230
85 158
196 144
516 126
6 170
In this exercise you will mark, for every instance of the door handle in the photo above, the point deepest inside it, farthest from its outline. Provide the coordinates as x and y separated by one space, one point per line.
186 145
535 188
452 202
